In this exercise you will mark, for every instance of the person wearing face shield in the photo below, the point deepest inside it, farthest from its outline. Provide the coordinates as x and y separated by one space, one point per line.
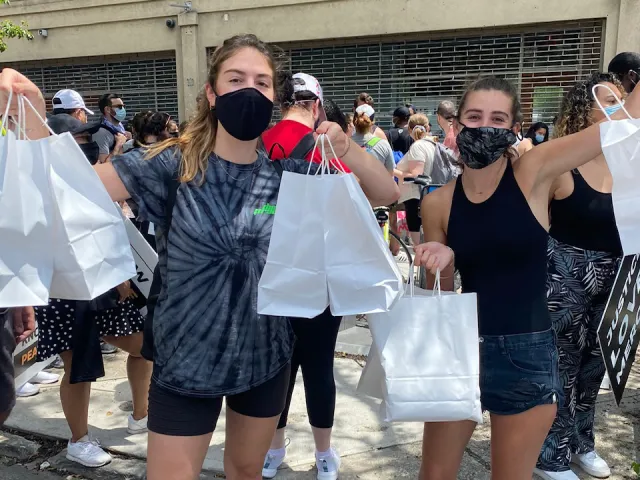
626 66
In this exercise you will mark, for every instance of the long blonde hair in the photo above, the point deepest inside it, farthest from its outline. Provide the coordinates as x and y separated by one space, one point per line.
419 120
199 138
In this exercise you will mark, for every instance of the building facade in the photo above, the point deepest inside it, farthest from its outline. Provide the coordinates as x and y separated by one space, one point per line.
399 51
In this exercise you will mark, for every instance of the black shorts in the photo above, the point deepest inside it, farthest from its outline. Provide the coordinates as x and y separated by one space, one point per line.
7 346
412 207
181 416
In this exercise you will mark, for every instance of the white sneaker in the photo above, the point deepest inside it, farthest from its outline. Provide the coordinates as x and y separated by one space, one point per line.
137 426
45 378
328 465
108 349
87 452
606 383
272 462
592 463
28 390
568 475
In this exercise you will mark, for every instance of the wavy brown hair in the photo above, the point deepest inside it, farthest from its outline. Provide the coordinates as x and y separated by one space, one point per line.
199 138
578 103
419 120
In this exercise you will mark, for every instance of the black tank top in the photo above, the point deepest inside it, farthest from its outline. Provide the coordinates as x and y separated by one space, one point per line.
501 253
585 219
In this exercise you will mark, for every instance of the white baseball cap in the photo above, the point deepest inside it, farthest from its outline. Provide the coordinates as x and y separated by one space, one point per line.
366 109
70 100
303 82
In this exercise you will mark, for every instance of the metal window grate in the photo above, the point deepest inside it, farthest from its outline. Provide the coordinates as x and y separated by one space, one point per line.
145 82
427 70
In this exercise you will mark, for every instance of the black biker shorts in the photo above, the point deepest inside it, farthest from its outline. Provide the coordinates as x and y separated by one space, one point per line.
181 416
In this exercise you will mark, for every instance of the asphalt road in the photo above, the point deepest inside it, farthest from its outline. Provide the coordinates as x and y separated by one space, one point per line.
18 472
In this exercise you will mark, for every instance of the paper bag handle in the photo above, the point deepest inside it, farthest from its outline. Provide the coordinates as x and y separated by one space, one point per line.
21 124
325 164
620 102
5 117
436 286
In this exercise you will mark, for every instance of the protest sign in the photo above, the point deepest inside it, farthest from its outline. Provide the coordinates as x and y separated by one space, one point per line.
24 360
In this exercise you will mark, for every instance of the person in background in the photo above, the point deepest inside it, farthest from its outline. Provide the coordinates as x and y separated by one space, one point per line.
113 114
538 133
584 255
303 105
173 129
379 148
71 103
351 129
517 129
412 109
119 322
301 102
366 99
626 66
399 136
16 324
183 127
418 161
445 115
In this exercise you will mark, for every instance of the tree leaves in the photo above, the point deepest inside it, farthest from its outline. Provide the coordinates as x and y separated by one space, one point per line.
8 29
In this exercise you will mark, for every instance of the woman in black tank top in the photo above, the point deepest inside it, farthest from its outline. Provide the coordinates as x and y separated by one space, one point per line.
584 255
494 219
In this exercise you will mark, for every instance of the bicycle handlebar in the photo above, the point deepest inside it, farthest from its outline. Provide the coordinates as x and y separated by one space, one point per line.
423 181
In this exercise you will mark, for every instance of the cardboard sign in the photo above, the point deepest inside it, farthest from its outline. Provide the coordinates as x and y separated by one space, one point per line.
146 260
24 360
618 331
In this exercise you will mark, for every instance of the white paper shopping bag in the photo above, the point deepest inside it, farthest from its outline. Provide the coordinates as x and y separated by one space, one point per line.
429 352
293 282
26 260
362 275
91 249
620 141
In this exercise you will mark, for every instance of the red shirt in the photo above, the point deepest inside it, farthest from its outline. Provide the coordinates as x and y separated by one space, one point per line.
287 134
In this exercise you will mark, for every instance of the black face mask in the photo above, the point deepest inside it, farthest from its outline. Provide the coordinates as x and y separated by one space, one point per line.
245 114
480 147
91 151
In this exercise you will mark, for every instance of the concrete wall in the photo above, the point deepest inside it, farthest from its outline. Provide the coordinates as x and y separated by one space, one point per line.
81 28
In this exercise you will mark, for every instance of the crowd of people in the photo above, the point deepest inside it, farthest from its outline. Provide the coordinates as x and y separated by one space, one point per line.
516 210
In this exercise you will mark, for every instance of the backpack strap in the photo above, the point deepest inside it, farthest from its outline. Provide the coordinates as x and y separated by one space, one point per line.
277 164
304 147
373 142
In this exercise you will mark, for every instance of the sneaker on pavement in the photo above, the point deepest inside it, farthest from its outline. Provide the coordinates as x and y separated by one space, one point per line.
57 363
45 378
592 463
87 452
107 349
137 426
28 390
567 475
272 462
328 464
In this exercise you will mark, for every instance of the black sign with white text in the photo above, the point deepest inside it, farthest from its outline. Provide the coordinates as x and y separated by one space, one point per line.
618 330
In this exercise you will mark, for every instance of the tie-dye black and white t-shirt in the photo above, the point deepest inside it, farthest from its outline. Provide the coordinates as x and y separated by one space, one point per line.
209 339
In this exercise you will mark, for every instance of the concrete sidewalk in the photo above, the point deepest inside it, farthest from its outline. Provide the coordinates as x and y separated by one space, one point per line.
370 448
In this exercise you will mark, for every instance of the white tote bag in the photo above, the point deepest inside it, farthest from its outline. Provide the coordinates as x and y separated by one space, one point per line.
26 259
428 349
294 282
362 274
620 141
91 249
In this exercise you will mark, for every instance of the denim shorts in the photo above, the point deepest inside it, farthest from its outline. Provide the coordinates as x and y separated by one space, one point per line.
519 372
